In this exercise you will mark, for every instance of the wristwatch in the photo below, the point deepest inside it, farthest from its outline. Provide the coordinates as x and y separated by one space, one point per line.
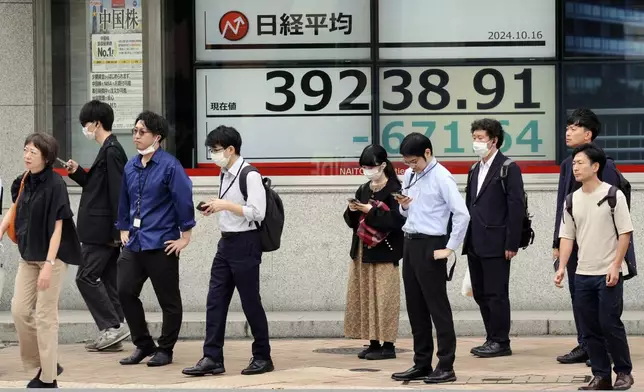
52 262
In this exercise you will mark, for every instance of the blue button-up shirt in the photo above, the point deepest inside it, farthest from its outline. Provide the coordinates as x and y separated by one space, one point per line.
435 194
165 194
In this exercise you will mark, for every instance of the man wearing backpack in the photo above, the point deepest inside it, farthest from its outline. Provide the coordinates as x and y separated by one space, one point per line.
583 127
239 254
599 277
497 209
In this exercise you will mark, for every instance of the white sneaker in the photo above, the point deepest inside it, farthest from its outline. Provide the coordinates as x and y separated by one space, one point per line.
112 336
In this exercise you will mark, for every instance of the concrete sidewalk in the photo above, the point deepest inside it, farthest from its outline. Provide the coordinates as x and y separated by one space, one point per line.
321 363
78 326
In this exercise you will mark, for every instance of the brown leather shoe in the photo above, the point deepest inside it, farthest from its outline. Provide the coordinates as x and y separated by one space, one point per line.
598 384
623 382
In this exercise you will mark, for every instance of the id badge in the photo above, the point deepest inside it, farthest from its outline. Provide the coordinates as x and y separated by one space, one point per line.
137 223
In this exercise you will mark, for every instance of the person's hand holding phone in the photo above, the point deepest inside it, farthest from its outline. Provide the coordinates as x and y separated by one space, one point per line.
403 200
72 166
353 204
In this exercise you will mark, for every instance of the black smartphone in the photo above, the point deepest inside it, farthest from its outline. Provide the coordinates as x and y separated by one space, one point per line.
555 264
398 195
63 163
201 206
352 200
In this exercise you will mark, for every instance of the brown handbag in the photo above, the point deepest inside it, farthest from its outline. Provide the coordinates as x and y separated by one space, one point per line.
11 230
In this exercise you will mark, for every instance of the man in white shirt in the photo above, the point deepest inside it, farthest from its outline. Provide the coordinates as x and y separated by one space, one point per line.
598 279
239 254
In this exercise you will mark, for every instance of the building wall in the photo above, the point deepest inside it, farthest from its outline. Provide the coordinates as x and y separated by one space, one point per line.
309 272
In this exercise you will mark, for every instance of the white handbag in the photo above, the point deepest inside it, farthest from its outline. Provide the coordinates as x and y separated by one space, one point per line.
466 289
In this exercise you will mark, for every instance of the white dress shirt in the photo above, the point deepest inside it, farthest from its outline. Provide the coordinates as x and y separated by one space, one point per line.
254 208
484 168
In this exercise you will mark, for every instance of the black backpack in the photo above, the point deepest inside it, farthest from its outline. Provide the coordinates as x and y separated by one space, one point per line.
611 198
527 234
273 224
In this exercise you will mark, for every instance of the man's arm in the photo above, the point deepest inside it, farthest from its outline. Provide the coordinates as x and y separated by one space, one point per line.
456 205
255 208
567 236
123 219
516 208
561 196
79 176
115 164
405 183
180 188
624 226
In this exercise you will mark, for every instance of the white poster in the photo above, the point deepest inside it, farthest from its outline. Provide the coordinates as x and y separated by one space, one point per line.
442 102
117 52
286 114
460 29
123 91
249 30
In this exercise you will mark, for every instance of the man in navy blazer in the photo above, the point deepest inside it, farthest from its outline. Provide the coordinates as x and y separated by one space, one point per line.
497 207
583 127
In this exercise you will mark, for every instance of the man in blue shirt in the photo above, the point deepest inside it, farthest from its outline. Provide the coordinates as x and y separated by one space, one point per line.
430 195
156 215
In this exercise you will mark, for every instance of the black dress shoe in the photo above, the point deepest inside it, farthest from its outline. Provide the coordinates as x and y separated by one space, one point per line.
439 376
623 382
258 366
576 355
36 383
383 353
410 374
161 358
487 343
137 356
59 371
492 350
598 384
206 365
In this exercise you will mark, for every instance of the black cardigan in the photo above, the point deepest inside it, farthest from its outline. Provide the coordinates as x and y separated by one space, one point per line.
389 250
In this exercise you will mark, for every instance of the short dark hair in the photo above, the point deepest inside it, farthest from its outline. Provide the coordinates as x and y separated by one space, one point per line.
492 127
96 110
154 123
376 155
46 144
594 154
415 144
225 137
585 118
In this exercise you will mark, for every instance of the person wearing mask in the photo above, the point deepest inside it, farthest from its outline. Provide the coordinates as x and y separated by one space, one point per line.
497 208
430 195
583 127
238 258
156 216
603 236
97 215
373 294
47 241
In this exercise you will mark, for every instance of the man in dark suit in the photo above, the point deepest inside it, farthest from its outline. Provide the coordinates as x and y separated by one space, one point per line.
96 277
497 208
583 127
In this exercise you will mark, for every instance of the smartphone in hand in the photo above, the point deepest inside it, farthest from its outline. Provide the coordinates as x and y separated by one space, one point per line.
201 206
63 163
353 201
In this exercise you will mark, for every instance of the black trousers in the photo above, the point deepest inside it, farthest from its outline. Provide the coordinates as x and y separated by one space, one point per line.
425 282
236 264
490 286
571 270
96 281
163 271
600 308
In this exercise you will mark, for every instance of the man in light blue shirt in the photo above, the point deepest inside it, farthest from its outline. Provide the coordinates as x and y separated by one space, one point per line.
430 198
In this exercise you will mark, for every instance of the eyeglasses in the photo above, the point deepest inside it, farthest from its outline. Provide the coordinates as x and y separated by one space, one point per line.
216 150
140 131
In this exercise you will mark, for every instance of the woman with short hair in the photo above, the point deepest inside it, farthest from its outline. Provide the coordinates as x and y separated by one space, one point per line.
47 241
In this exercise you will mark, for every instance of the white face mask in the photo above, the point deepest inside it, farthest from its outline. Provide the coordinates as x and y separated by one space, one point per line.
148 150
219 159
88 134
373 174
481 149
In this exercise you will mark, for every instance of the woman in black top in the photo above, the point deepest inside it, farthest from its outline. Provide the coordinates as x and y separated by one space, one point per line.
47 241
373 294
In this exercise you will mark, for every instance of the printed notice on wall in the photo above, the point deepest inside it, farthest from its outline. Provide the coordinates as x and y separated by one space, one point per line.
123 91
117 52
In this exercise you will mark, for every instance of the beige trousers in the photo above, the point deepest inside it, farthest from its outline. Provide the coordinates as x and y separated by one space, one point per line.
35 315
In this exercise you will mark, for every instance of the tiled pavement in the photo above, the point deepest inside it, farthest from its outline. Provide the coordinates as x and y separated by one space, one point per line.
300 364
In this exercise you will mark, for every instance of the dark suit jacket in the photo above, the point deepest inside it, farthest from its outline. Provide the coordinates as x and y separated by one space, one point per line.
566 181
496 219
390 250
97 213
